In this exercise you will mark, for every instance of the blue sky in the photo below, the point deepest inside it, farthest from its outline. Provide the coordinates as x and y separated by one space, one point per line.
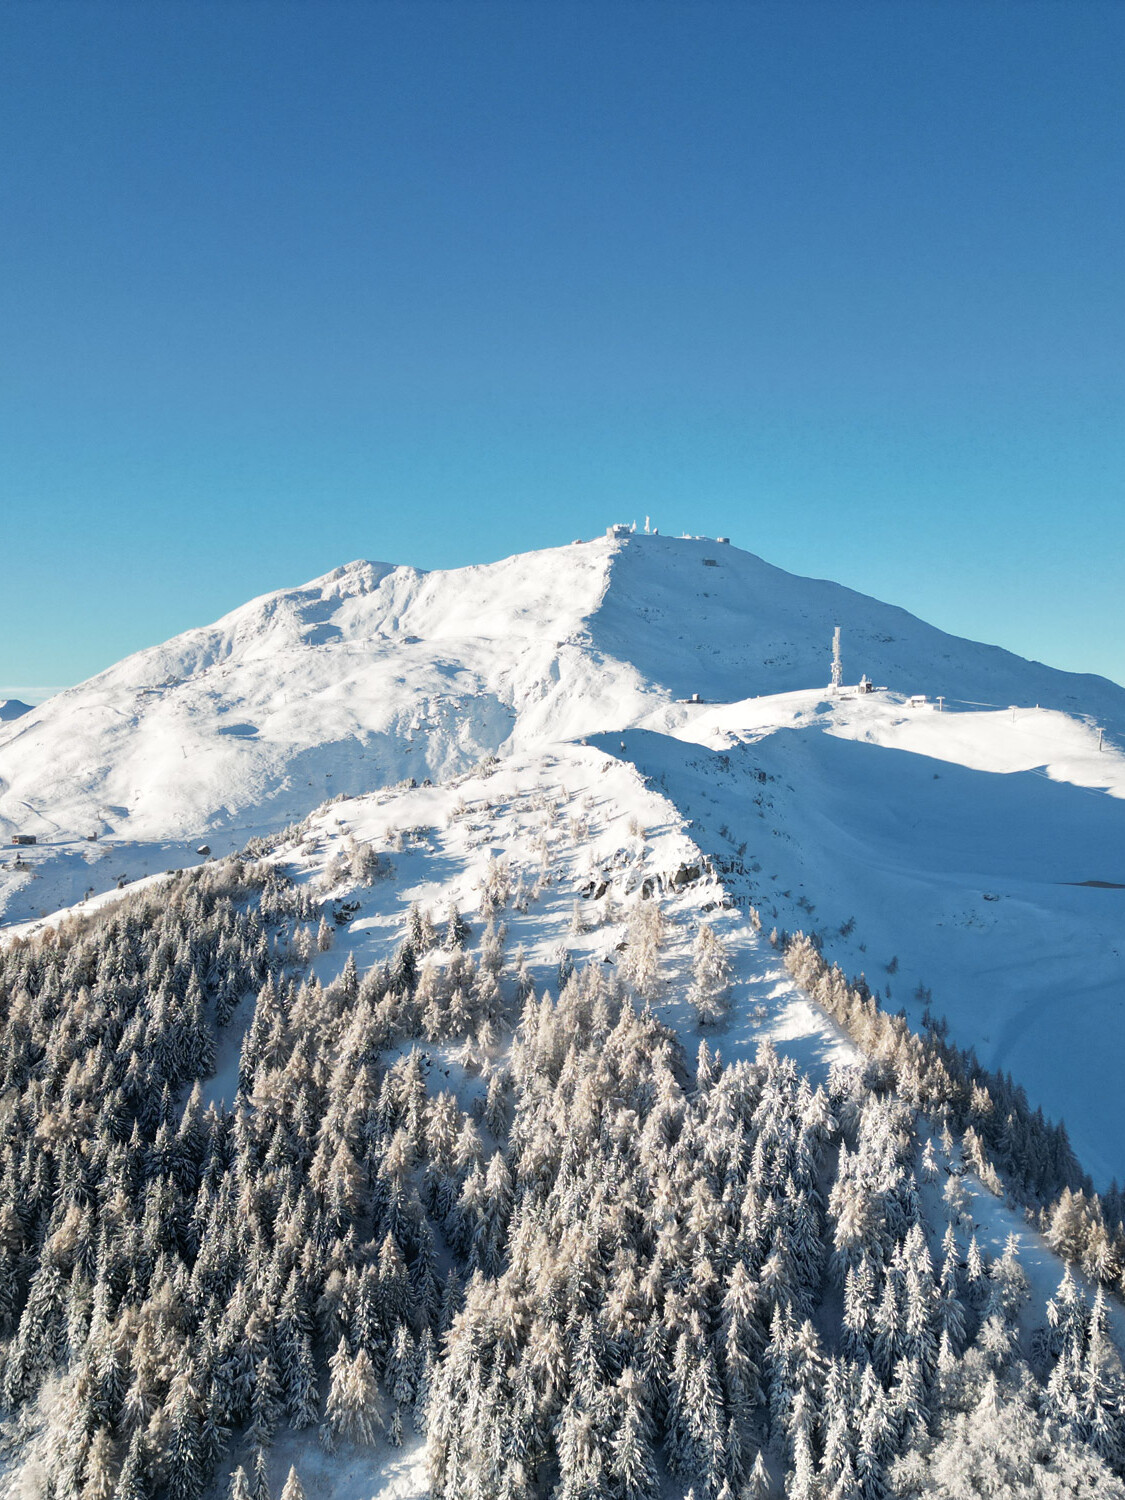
286 284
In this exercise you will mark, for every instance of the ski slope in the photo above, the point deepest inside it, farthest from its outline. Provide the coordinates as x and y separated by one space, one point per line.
977 853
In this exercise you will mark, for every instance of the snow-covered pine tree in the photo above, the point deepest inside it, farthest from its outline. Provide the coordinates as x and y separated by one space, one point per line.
711 975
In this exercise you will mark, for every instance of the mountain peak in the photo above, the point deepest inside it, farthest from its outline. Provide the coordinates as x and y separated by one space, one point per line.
375 672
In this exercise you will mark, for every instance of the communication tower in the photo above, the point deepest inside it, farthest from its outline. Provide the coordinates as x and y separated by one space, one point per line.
837 664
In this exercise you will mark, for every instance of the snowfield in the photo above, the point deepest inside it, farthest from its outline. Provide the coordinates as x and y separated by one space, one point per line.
972 860
375 673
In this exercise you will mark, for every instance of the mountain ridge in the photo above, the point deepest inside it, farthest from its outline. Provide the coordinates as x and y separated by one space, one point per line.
935 851
375 672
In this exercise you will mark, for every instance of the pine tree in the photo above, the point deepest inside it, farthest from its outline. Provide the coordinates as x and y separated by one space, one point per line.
214 1435
266 1404
838 1444
1102 1390
859 1310
801 1483
758 1486
260 1484
457 930
185 1457
876 1436
909 1401
292 1489
711 975
132 1481
100 1477
976 1277
424 1383
640 965
302 1398
845 1486
239 1485
1066 1317
888 1331
632 1462
496 1105
353 1408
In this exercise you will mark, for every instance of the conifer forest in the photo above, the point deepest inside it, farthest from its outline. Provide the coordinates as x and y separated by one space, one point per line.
628 1270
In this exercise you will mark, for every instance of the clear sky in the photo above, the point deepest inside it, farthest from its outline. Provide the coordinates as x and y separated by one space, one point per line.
282 285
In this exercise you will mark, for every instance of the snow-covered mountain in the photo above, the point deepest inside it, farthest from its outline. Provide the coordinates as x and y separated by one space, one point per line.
615 761
977 853
376 673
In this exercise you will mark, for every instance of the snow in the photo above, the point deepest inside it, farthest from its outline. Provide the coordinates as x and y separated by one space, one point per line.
1000 890
587 805
447 862
374 673
977 851
448 836
908 820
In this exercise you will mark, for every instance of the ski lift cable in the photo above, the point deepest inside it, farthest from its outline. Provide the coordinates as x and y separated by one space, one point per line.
1006 707
971 703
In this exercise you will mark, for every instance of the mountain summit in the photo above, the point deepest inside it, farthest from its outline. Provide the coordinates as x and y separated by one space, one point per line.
376 673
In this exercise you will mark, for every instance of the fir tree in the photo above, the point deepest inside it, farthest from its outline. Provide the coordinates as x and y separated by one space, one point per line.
260 1485
239 1485
292 1489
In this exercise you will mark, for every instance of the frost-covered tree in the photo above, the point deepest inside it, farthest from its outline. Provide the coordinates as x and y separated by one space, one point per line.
292 1488
711 975
637 1248
645 934
352 1411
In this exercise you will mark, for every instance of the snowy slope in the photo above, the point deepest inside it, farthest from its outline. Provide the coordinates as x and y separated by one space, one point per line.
957 843
573 811
375 673
365 676
980 855
967 882
556 818
743 627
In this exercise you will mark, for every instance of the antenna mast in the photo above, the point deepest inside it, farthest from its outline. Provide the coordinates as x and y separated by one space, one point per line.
837 664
